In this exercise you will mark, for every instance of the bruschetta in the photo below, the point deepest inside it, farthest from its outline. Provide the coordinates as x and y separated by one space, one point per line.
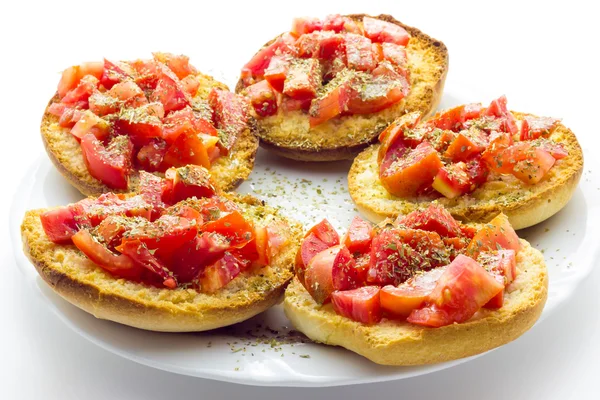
176 256
418 290
324 90
475 161
110 120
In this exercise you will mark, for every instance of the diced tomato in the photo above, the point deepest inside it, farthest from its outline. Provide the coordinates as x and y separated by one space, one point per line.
310 247
434 218
96 210
179 64
81 93
454 118
120 265
190 84
91 123
359 236
477 171
263 99
148 73
359 53
499 110
344 274
395 54
68 81
307 45
151 189
103 104
170 92
325 232
111 164
61 223
361 305
150 156
535 127
395 132
466 144
212 208
185 121
333 22
303 79
396 254
464 287
129 94
503 267
110 231
377 52
190 259
413 172
382 31
497 234
139 253
350 25
556 150
139 124
318 276
219 274
526 161
399 301
385 89
114 73
277 71
229 116
188 148
498 142
452 180
284 44
330 104
167 233
233 226
257 250
288 104
192 181
303 25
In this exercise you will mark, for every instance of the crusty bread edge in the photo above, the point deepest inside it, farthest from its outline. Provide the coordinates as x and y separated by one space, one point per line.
349 152
145 315
424 345
521 214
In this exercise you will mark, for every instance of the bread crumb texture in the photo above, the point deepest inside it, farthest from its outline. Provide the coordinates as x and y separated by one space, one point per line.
65 152
401 343
72 275
525 205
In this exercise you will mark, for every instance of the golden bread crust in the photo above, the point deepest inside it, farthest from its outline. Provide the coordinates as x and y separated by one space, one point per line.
401 343
525 205
289 134
84 284
66 155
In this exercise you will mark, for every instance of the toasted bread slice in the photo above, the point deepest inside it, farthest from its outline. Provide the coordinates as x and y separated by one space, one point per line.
84 284
525 205
290 135
64 151
401 343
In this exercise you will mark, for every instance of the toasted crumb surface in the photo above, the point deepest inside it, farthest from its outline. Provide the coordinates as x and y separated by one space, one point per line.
81 282
289 134
525 205
401 343
65 152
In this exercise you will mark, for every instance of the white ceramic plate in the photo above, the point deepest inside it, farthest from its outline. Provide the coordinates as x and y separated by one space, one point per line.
264 350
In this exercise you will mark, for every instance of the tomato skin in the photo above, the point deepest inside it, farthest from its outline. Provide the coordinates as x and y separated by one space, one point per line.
310 247
81 93
188 148
394 134
120 265
263 99
359 236
303 25
412 173
533 169
166 233
111 164
343 271
205 249
382 31
192 181
254 68
139 124
318 276
60 224
169 91
464 287
502 265
361 305
325 232
329 105
179 64
96 210
399 301
139 253
454 118
466 144
333 22
277 71
495 235
219 274
114 73
233 226
499 109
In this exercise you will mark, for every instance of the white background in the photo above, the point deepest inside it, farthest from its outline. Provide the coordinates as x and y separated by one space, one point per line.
543 56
